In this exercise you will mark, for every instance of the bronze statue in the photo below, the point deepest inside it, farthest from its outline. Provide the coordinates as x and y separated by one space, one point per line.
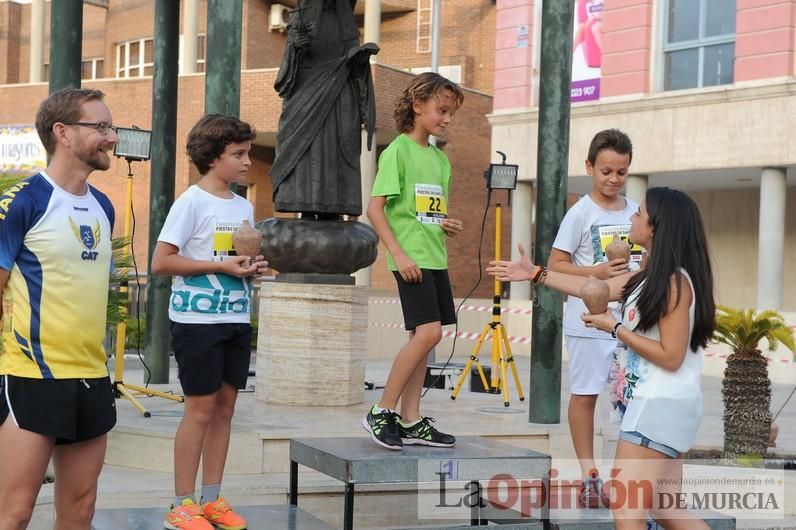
327 91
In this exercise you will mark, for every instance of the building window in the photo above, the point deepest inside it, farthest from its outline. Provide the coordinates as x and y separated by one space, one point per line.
89 69
134 58
92 68
451 72
698 43
424 16
201 53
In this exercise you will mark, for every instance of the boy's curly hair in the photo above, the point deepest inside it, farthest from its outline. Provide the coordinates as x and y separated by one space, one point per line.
212 134
422 88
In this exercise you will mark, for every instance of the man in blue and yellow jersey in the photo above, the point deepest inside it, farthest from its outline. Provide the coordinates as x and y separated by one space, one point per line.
55 256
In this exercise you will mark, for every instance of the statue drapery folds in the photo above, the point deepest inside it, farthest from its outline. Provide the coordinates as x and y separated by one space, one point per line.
327 90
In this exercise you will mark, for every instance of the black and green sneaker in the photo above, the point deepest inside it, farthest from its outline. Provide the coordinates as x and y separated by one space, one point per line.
383 428
423 433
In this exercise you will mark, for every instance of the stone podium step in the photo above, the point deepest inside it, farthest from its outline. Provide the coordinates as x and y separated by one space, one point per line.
534 525
289 517
600 519
283 517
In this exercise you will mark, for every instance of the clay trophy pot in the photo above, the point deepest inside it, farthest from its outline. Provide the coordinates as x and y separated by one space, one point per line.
595 294
246 241
617 249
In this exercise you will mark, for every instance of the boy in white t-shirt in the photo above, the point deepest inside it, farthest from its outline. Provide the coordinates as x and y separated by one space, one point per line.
209 312
579 248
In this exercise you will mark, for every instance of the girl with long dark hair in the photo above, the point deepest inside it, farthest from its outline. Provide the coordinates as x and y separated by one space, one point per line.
668 313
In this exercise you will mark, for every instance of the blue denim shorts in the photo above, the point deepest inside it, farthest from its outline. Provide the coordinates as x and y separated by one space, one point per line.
637 438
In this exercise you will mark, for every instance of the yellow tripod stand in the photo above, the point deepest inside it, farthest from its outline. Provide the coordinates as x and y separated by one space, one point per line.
502 358
122 389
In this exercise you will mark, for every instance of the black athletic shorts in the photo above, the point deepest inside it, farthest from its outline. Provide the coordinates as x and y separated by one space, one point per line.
430 300
209 355
69 410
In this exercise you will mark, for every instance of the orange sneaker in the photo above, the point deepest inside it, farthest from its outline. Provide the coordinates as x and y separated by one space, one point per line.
220 514
189 516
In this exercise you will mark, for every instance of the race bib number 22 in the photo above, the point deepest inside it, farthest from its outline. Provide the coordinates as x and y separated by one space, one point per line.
430 205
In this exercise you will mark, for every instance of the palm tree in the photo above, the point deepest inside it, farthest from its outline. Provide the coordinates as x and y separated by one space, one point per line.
118 301
7 180
746 388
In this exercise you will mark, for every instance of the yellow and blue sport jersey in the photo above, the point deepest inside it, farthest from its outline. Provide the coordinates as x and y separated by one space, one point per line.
57 248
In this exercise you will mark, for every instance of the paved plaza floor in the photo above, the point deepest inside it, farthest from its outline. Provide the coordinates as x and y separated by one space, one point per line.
473 414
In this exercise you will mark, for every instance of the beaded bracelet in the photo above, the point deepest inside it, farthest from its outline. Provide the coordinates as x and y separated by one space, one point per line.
615 331
539 275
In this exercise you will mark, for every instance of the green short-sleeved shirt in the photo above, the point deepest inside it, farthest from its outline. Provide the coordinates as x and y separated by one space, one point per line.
415 180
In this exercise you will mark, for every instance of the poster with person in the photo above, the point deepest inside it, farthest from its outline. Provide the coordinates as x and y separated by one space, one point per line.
587 50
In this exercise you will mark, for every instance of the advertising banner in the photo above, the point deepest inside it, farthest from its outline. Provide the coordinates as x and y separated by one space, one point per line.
587 50
21 151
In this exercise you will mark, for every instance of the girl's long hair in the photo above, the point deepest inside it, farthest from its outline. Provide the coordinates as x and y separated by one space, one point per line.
678 241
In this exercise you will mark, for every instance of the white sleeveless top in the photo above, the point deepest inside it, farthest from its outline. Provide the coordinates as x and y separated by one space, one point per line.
664 406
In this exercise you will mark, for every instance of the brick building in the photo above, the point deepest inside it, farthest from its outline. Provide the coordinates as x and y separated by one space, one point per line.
117 59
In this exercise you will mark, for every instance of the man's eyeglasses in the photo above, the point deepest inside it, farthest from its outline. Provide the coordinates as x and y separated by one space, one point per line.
101 127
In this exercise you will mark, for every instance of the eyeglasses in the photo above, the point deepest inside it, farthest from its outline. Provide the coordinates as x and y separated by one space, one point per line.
101 127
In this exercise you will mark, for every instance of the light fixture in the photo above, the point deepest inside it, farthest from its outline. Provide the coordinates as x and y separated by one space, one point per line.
501 176
134 143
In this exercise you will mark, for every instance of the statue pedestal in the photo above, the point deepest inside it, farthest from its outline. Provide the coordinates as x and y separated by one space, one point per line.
311 344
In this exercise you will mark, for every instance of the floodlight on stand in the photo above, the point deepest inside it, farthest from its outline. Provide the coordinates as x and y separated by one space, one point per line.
501 176
133 144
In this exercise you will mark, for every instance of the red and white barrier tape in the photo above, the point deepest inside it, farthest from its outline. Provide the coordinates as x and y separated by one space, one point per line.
478 308
516 339
384 301
468 335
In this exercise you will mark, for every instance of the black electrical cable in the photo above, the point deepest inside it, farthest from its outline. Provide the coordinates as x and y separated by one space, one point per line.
783 405
138 302
466 297
138 287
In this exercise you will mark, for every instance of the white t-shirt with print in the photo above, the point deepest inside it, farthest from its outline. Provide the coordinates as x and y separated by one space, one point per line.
200 225
584 233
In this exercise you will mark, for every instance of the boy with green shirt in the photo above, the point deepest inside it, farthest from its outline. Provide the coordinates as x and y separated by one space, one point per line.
409 212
